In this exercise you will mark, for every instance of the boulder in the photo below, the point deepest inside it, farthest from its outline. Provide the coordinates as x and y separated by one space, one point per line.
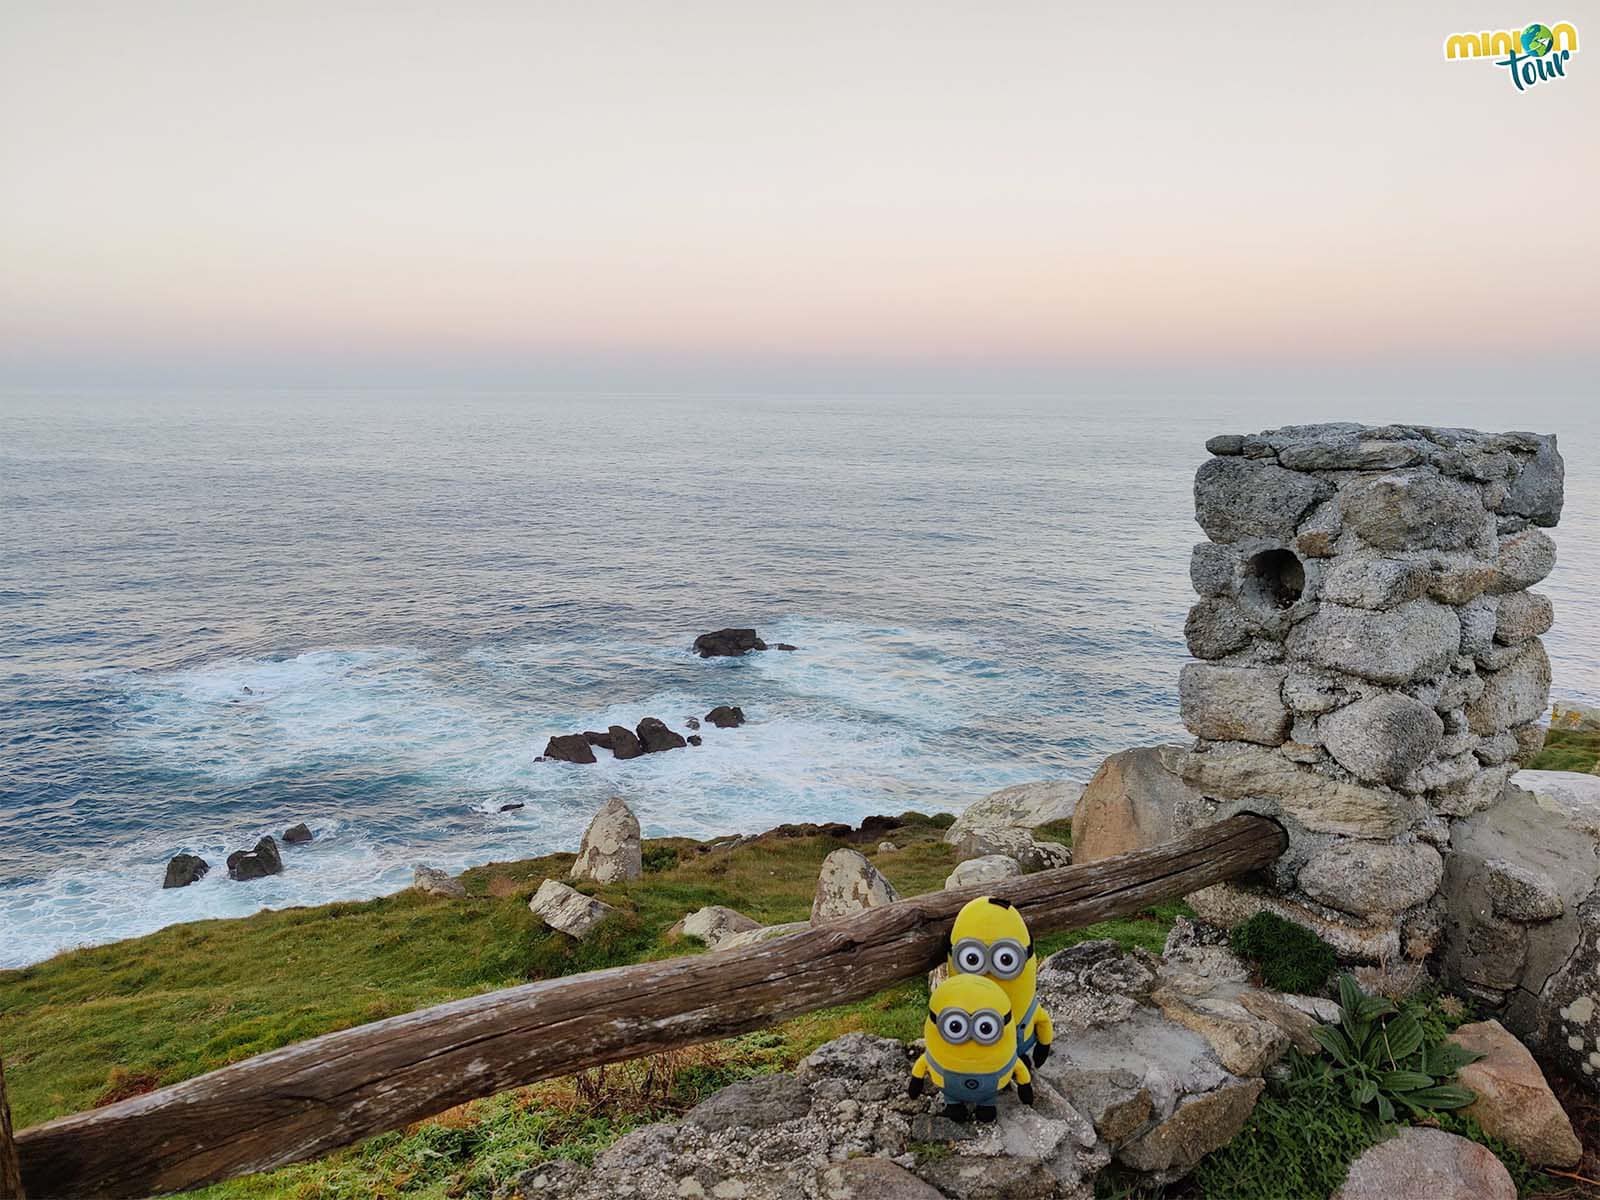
726 716
1566 714
431 881
1513 695
184 869
847 884
654 736
1128 805
1234 704
1372 878
1427 1164
762 933
872 1179
714 925
568 910
1522 560
1514 1102
1414 640
1236 498
1020 806
600 741
624 742
258 863
610 851
297 835
569 747
1416 510
989 868
1537 491
694 739
728 643
1523 615
1382 738
1019 844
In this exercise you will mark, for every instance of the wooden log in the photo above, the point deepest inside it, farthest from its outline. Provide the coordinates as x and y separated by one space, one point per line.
10 1166
306 1099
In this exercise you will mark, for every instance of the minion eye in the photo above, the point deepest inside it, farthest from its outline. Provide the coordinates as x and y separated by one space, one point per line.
986 1028
1006 960
970 958
954 1026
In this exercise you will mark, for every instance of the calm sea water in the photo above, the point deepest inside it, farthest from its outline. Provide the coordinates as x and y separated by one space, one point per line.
221 614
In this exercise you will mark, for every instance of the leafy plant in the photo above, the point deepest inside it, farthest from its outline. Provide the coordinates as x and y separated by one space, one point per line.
1383 1061
1290 957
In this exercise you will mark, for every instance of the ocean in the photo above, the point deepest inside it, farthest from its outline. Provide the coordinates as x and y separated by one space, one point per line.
223 613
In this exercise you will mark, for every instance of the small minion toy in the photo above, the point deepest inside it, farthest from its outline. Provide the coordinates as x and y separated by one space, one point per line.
991 938
972 1048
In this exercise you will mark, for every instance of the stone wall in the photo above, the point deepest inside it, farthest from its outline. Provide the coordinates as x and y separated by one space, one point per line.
1369 668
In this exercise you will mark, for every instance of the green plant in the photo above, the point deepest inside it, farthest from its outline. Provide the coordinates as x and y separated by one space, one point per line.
1382 1059
659 858
1290 957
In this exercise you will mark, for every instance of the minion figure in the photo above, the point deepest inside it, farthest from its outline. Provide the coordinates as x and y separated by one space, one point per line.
991 938
971 1050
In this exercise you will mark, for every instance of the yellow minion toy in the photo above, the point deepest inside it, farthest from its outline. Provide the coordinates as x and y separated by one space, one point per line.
971 1050
990 938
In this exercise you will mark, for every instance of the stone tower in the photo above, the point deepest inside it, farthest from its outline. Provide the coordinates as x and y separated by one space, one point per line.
1369 664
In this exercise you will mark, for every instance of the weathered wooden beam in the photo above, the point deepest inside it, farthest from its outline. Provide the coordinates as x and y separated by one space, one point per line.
10 1166
307 1099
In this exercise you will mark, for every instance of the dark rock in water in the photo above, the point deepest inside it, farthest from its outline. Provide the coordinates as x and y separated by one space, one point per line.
296 835
569 747
693 722
249 691
728 643
255 864
184 869
512 807
654 735
600 741
695 739
726 716
785 646
624 742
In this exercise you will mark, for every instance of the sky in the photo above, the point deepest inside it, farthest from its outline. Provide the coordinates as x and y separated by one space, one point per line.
840 186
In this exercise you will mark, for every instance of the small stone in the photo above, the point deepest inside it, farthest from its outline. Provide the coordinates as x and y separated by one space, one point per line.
568 910
1520 894
1234 704
1216 628
1411 641
297 835
258 863
611 851
1515 694
1383 737
868 1178
726 716
1199 1125
846 885
1012 842
1479 619
1427 1164
728 643
431 881
1211 569
753 1104
184 869
1225 443
1515 1103
1523 615
1371 878
1368 581
714 924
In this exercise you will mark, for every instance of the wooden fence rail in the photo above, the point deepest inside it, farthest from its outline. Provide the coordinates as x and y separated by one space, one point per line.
10 1167
307 1099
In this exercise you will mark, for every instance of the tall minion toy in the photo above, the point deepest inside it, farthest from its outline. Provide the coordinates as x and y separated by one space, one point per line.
971 1054
990 938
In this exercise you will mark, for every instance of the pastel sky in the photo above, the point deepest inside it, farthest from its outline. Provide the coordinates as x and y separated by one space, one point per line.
1040 181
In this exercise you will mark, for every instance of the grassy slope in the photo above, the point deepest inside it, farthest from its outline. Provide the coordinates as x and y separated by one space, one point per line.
1568 750
94 1025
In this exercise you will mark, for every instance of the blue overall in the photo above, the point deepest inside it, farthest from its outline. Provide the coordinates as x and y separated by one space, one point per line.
1027 1040
961 1088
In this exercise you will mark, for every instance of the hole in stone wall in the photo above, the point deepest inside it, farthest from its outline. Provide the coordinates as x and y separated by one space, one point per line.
1273 579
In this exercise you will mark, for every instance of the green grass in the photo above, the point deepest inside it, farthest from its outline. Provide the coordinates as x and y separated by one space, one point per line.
95 1025
1290 957
1568 750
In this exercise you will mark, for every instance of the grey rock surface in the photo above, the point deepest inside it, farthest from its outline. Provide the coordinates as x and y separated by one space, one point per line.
1020 806
431 881
1235 498
568 910
1383 737
847 884
1234 704
1427 1164
610 851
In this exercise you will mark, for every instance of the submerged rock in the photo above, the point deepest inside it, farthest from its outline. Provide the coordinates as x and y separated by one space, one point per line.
654 736
184 869
569 747
264 860
728 643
